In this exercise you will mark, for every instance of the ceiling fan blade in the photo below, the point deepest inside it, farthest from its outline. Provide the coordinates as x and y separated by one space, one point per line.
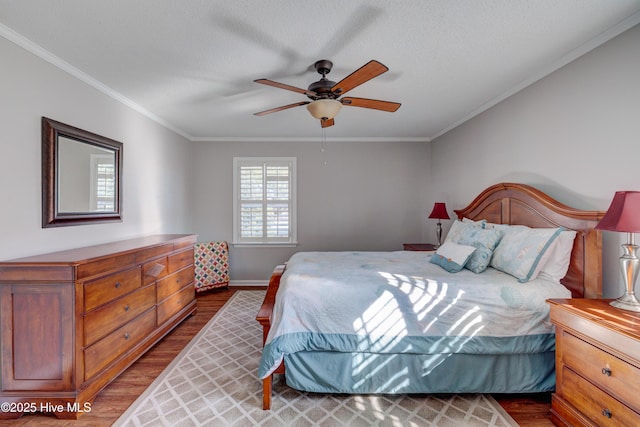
284 86
284 107
325 123
371 103
363 74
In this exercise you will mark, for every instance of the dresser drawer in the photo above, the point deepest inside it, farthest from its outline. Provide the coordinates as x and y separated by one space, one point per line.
105 319
173 283
606 371
105 351
107 288
102 266
154 252
597 405
175 303
154 270
180 260
179 244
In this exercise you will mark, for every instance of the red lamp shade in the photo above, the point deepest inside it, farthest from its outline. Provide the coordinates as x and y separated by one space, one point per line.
439 211
623 214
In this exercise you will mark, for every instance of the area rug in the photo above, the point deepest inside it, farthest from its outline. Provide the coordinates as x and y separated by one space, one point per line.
213 382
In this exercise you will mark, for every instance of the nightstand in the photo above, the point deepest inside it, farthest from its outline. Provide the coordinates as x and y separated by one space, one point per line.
597 364
424 247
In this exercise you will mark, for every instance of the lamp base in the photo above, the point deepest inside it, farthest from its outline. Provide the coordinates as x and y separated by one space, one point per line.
629 265
627 302
438 234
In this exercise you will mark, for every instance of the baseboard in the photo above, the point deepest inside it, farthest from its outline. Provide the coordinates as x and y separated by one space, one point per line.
241 283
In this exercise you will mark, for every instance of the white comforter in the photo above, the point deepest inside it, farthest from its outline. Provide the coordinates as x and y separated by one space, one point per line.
398 302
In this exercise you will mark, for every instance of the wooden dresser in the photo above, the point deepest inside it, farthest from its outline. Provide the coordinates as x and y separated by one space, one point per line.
597 364
71 321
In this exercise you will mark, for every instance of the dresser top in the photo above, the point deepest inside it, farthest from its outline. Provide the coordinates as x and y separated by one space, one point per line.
601 312
79 255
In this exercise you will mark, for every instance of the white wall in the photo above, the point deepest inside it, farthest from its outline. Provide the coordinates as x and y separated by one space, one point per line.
156 169
574 134
369 196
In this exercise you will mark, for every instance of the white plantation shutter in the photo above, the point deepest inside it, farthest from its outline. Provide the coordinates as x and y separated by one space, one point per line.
264 200
103 183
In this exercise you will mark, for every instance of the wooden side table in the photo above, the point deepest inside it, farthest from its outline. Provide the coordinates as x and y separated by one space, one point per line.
597 364
424 247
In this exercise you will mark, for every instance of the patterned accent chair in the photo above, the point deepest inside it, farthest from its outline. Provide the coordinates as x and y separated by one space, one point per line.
211 261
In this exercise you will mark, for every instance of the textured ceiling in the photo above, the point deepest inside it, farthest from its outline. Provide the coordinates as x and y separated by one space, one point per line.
191 64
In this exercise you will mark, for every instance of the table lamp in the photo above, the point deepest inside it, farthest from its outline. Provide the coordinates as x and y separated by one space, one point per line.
439 212
624 216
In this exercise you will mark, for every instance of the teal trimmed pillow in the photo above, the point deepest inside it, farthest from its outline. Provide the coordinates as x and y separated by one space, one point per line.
485 241
559 257
522 249
459 228
452 256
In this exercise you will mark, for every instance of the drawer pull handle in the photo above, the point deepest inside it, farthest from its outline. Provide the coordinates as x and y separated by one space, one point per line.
117 285
126 308
126 336
607 413
606 371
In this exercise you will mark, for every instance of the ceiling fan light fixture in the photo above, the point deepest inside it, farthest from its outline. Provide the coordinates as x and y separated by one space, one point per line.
324 108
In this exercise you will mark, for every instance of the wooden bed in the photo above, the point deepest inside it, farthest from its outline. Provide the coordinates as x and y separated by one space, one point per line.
504 203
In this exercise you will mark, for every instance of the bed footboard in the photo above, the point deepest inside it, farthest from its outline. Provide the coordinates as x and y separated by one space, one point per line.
264 318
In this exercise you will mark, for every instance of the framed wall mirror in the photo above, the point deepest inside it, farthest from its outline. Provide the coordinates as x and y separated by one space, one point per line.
81 176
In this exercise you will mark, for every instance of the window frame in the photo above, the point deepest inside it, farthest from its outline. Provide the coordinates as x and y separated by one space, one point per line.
97 184
265 241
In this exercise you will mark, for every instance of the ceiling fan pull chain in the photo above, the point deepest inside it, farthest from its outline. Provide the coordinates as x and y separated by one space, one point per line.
323 146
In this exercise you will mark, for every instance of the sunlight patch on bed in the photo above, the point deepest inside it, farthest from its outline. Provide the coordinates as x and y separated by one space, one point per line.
382 326
361 363
424 294
456 346
382 317
398 380
460 322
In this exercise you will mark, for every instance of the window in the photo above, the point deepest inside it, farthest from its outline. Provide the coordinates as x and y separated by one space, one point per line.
103 183
264 192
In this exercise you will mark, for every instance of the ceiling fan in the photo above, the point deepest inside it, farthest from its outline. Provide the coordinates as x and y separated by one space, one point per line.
325 94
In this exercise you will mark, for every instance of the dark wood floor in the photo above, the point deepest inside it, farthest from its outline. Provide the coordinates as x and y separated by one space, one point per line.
529 410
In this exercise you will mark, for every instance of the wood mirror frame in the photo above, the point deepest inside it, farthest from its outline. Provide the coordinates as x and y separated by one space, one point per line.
106 204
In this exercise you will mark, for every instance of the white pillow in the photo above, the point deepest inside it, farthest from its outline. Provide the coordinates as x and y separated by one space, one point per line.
522 249
555 262
559 257
452 256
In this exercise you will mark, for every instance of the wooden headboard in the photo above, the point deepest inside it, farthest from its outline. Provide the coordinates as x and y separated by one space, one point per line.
508 203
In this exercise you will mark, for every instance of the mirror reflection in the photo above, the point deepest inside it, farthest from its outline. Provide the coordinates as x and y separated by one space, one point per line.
86 177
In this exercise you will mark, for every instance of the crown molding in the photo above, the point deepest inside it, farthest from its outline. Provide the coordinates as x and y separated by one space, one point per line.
310 139
44 54
47 56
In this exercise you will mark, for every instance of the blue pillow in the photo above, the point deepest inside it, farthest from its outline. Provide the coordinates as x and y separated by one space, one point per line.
452 256
485 241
